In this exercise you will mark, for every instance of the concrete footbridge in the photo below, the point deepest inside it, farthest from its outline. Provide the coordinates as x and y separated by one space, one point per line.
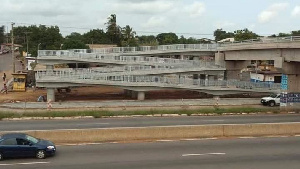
140 69
142 83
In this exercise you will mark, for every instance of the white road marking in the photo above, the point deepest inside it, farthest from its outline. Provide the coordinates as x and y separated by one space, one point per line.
31 163
247 137
199 139
217 153
92 124
213 120
165 140
80 144
187 155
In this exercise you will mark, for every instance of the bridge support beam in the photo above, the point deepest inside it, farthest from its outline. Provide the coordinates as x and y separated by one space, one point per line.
51 94
140 96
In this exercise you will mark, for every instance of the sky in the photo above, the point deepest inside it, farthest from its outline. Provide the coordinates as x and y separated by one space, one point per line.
191 18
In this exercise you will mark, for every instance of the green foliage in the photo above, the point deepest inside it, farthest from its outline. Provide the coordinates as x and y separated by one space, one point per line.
113 30
293 33
220 34
2 37
296 33
245 34
128 37
49 38
167 38
96 36
147 40
74 41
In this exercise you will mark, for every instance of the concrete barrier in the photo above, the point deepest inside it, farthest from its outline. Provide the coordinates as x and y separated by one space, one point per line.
261 129
160 133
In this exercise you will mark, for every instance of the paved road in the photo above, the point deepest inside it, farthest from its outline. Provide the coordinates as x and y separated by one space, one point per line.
143 122
6 63
266 153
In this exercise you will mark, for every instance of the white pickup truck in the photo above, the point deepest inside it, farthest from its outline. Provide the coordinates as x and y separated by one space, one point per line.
272 100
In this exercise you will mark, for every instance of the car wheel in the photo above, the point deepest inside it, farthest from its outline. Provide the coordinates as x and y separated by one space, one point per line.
40 154
272 103
1 156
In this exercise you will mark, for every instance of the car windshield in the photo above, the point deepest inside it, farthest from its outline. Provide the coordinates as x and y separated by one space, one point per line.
273 95
32 139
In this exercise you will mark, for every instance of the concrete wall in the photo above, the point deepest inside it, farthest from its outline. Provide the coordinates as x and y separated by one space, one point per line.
233 68
172 132
252 54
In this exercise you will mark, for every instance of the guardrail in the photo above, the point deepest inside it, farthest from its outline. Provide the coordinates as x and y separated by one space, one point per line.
95 57
142 80
157 49
142 49
261 40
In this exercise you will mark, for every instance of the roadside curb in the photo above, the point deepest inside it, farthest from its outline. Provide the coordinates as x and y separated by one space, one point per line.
137 116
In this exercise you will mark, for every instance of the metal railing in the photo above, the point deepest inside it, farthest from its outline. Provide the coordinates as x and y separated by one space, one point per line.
95 57
166 48
142 49
261 40
142 80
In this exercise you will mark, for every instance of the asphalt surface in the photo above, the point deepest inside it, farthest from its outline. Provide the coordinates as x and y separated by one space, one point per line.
6 63
266 153
143 122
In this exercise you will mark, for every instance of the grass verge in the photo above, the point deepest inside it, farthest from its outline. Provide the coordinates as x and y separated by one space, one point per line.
100 114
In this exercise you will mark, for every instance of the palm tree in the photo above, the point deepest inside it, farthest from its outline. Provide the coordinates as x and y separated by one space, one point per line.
128 33
113 29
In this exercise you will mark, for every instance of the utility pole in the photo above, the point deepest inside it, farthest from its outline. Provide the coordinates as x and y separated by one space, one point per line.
13 47
26 34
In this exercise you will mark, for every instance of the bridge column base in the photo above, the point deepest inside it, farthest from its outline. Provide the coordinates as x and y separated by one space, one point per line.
141 96
51 94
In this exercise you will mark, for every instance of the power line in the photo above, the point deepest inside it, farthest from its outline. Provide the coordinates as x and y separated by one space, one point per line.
139 31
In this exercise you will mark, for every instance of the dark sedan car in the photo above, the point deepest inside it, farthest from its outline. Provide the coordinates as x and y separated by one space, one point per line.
23 145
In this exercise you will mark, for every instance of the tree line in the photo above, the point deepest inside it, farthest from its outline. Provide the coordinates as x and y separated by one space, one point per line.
50 38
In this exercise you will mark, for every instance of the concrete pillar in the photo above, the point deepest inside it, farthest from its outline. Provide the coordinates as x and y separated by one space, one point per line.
181 57
51 94
206 80
141 96
220 59
233 68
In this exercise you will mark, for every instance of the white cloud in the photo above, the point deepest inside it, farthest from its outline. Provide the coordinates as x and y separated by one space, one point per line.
296 11
224 25
270 13
155 22
143 7
196 9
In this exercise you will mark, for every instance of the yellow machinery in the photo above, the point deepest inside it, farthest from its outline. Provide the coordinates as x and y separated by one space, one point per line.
19 84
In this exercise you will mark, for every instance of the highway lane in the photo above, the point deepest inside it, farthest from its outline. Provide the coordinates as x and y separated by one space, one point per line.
266 153
143 122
